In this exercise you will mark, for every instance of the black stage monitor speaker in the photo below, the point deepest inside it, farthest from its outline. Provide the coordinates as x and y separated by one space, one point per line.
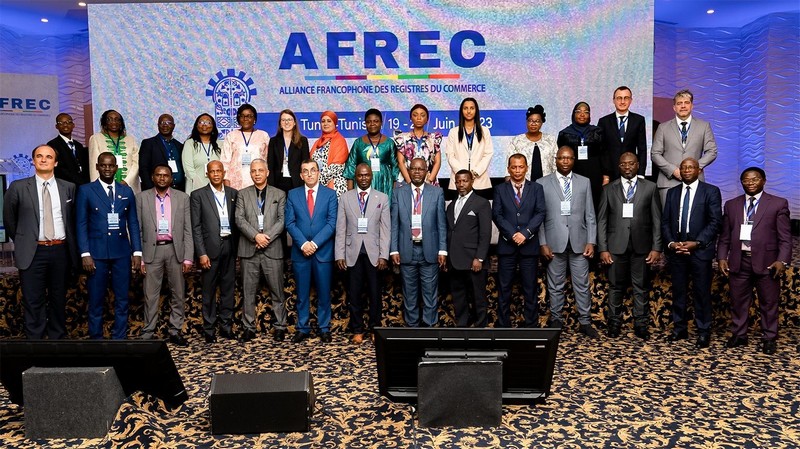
261 402
460 393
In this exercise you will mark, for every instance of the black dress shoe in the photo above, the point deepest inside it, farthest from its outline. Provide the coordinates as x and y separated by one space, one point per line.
177 339
227 334
555 324
299 337
588 330
703 341
247 335
770 346
210 338
614 332
325 337
675 336
279 335
642 333
735 341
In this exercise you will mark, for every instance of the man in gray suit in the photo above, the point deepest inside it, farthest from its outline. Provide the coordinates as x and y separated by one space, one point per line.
259 216
567 238
362 247
44 243
419 244
215 239
167 246
680 138
629 239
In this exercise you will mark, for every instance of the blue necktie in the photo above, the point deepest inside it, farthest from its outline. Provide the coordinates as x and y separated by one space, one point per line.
629 195
684 133
622 127
111 194
685 214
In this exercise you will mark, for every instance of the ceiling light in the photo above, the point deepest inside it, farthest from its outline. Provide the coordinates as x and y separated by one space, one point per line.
82 4
44 20
710 11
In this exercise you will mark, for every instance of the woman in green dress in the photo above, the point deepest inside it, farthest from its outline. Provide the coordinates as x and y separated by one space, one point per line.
376 150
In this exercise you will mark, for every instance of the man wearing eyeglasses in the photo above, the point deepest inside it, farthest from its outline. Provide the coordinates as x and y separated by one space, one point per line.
73 157
161 149
624 131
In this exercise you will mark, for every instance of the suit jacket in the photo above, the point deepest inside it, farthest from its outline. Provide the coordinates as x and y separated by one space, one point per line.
526 218
319 229
180 217
434 223
580 227
151 153
458 156
275 155
771 234
635 140
69 168
667 152
21 218
247 220
205 221
93 208
643 230
376 240
469 237
704 222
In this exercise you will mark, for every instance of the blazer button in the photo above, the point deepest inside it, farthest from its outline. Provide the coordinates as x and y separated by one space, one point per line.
109 233
517 214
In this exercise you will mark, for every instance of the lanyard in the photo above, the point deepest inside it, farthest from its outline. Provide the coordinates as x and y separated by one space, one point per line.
207 150
419 199
374 152
749 216
222 204
260 202
116 144
161 200
246 140
470 136
168 147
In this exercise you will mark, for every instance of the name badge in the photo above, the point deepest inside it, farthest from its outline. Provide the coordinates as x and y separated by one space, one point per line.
285 171
362 225
375 164
260 222
113 221
246 158
224 224
173 165
583 152
118 157
627 210
566 208
745 232
163 226
416 224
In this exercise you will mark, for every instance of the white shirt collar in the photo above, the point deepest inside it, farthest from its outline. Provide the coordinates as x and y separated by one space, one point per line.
466 197
40 180
692 185
66 139
688 121
421 187
315 188
369 189
105 186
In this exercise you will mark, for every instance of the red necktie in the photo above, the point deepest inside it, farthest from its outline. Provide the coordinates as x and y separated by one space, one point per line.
310 202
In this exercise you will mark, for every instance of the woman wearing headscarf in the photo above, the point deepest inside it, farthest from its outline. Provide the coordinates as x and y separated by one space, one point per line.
330 153
586 141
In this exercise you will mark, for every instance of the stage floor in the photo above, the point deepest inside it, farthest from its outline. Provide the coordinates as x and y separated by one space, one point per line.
620 393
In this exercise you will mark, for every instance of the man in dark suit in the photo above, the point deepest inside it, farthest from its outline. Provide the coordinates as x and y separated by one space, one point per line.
518 210
469 232
260 218
44 243
755 247
679 138
109 241
73 157
419 244
567 238
161 149
311 221
167 247
624 131
362 247
629 239
689 224
216 239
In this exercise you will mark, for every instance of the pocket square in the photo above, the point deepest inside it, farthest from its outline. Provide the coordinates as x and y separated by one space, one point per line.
123 197
69 200
471 213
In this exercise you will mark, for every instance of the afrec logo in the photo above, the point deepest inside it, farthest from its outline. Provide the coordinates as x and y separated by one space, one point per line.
24 104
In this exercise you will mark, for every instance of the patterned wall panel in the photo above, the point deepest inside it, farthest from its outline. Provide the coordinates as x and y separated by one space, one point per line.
66 56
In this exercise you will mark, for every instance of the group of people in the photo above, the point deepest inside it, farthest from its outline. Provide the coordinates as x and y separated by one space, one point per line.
205 202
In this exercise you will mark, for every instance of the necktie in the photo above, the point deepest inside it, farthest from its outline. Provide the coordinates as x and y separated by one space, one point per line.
459 205
750 209
567 190
622 127
518 198
684 133
72 147
685 214
47 204
536 163
361 204
415 232
310 202
111 194
629 195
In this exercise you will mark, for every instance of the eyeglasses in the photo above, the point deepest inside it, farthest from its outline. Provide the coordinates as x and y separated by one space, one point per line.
247 116
166 122
627 164
622 98
114 119
308 171
535 122
287 120
205 122
68 122
751 180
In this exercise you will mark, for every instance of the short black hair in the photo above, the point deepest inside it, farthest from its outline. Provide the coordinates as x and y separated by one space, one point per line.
758 170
